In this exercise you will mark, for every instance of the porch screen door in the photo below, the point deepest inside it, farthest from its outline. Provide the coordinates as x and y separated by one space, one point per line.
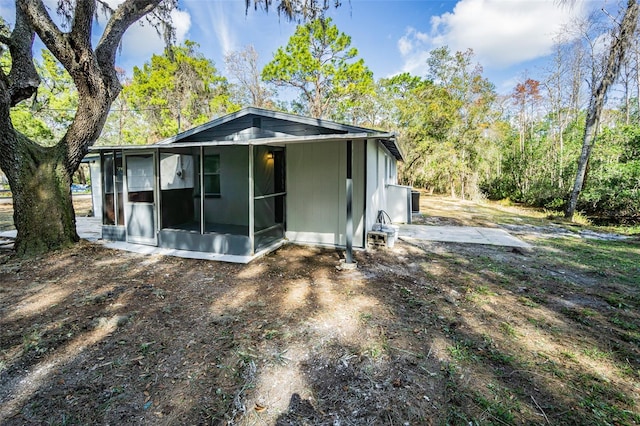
140 205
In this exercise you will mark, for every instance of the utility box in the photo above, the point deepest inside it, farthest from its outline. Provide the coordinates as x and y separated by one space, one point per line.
415 202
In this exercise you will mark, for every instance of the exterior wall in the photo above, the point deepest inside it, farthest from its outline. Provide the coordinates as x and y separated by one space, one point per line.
210 243
382 191
114 233
399 203
376 193
316 193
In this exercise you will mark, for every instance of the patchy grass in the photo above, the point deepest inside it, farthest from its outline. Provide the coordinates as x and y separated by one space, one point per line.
610 260
426 333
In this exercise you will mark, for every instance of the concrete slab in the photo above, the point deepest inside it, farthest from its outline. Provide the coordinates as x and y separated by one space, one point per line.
187 254
8 234
90 228
461 234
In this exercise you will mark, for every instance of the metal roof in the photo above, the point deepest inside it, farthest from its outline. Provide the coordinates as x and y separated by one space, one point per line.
343 132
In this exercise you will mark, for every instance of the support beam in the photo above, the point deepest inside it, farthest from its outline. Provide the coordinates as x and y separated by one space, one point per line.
251 204
201 184
365 189
349 224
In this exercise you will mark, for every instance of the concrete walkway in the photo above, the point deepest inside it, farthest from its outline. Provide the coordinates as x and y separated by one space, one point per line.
460 234
89 229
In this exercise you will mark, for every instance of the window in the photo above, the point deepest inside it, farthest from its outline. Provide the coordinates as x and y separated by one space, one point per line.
212 175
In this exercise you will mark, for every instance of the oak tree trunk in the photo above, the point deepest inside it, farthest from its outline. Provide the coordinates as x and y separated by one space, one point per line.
40 177
43 210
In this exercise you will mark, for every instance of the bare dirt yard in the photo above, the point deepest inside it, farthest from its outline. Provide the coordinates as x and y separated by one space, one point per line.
424 333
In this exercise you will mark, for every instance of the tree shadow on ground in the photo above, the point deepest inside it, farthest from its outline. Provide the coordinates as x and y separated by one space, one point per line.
426 334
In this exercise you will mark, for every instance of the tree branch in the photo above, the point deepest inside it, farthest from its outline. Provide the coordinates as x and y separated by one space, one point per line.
23 78
126 14
39 20
80 34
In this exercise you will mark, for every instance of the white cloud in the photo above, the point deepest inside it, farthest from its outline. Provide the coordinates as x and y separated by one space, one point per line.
182 24
225 37
213 21
500 32
142 40
405 45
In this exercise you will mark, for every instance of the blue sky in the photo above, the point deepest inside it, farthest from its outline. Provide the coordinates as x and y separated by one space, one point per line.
509 37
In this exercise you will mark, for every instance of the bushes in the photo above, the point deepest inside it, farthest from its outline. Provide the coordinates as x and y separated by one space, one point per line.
612 188
613 192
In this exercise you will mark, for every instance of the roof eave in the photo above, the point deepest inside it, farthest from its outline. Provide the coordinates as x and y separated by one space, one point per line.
280 140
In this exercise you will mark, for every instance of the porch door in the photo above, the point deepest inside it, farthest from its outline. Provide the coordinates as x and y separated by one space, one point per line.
140 205
269 195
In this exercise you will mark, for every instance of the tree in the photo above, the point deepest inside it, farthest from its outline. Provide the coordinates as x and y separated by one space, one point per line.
50 111
526 97
621 40
243 67
563 84
469 100
40 176
125 125
425 115
319 63
178 90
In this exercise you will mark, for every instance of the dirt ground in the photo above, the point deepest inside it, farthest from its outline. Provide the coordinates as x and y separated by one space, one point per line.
430 333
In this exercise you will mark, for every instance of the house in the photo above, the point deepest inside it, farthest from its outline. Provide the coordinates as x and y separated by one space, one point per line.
246 182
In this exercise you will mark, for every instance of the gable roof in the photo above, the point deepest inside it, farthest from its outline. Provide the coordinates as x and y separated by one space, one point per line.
257 126
241 126
277 115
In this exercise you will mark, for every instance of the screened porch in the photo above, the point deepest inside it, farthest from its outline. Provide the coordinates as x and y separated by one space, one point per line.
215 198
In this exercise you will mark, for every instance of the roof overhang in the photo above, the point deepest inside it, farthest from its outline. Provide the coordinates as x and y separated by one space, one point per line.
387 139
278 115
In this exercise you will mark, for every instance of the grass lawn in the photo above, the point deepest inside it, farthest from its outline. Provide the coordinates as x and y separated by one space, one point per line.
425 333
